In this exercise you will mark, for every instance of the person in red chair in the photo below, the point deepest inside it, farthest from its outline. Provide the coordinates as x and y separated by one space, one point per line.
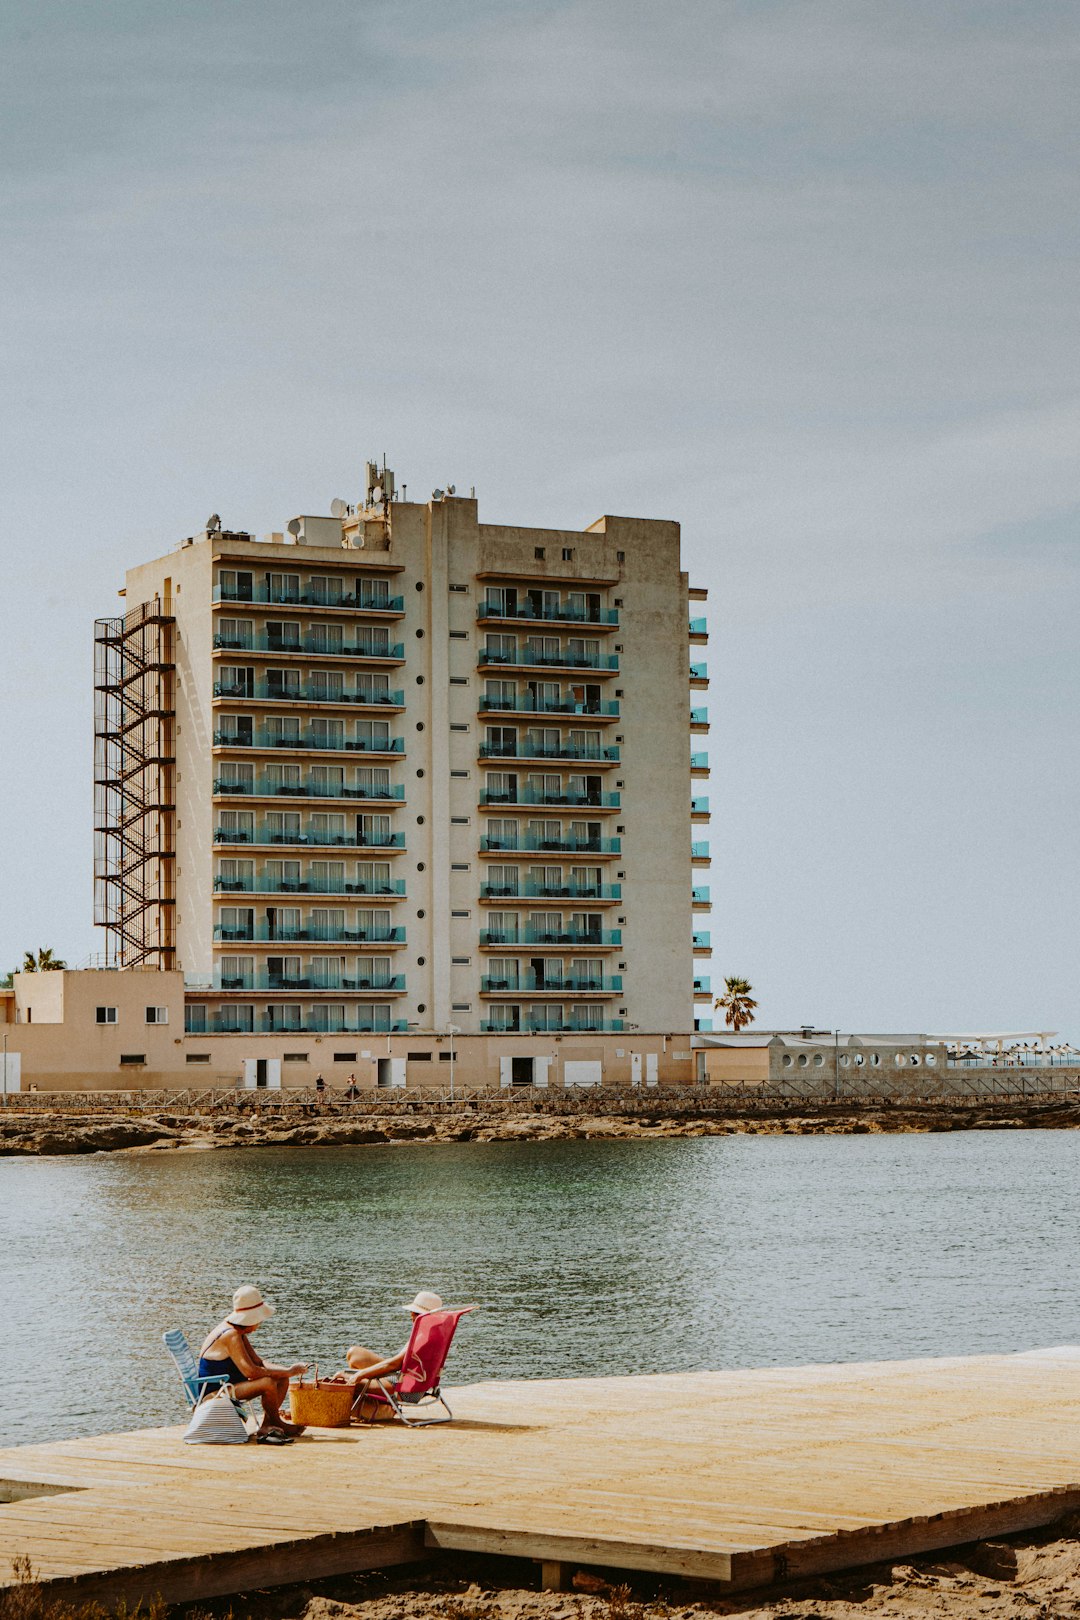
366 1364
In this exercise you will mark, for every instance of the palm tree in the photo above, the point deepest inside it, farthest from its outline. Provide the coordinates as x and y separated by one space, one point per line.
43 962
737 1002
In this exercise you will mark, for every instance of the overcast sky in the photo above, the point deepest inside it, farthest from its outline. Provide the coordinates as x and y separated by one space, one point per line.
799 273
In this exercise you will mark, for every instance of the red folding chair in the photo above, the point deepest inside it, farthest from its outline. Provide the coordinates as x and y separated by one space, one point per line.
418 1383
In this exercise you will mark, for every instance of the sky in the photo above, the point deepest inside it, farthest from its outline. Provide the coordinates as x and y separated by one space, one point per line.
801 274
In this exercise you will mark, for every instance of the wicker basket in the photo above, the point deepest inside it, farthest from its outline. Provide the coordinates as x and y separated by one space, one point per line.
321 1404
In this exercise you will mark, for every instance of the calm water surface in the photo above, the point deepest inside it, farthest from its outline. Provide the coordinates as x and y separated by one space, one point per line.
587 1257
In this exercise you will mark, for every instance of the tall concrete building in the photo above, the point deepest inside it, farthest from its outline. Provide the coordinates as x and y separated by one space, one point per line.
399 770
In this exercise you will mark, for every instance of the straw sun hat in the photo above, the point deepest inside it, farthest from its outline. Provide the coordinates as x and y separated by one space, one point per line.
423 1303
249 1308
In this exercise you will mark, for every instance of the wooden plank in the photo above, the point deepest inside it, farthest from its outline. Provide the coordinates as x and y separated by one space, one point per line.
580 1549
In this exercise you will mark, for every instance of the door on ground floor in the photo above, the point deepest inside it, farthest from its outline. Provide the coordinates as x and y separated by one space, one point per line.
11 1071
392 1073
262 1074
519 1071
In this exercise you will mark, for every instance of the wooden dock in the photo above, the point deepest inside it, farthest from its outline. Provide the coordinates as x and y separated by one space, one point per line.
741 1478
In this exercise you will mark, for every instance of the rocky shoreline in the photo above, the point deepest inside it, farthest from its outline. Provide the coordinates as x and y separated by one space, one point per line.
60 1131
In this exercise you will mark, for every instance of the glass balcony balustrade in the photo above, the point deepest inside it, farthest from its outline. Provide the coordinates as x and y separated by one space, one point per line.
703 1024
699 762
307 739
261 786
266 884
548 660
528 983
525 703
261 691
699 806
364 601
573 801
208 1022
359 647
528 843
493 607
313 839
524 937
264 934
381 983
699 895
522 748
699 717
568 1026
703 986
699 627
551 891
703 941
699 672
699 849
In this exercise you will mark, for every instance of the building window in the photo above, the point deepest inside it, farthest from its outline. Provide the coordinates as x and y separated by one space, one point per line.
157 1015
461 1006
344 1057
106 1015
567 553
419 1057
459 773
459 914
459 587
538 553
459 866
620 556
460 961
459 728
459 821
294 1057
197 1057
459 680
459 635
133 1058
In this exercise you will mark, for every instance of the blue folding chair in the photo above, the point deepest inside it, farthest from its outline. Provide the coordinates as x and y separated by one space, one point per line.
195 1387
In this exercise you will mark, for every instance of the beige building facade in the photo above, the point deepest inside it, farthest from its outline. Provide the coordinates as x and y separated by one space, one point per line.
398 776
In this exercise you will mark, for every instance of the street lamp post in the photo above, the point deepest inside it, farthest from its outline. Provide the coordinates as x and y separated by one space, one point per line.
452 1030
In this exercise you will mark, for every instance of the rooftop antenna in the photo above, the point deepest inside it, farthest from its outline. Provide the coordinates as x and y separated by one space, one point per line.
339 508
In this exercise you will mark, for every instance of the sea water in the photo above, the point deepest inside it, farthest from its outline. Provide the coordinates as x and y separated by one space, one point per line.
585 1258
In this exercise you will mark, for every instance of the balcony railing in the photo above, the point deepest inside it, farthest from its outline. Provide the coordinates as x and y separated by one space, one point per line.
538 660
525 703
529 983
699 850
521 749
318 742
491 608
568 1026
699 672
271 788
699 717
381 983
552 891
264 1023
526 937
275 885
263 934
528 843
703 986
699 762
305 692
573 801
699 806
320 840
273 596
703 941
363 647
699 627
699 895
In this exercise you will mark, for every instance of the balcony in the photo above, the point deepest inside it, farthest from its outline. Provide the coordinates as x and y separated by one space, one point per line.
525 658
493 608
262 691
316 742
568 1026
262 594
571 801
522 749
699 762
264 1023
382 984
699 850
530 984
597 892
529 844
264 884
702 942
699 672
699 627
699 896
263 934
524 938
312 647
702 986
699 806
527 704
699 719
313 840
264 787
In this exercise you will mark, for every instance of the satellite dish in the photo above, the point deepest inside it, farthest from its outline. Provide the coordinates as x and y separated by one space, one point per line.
293 526
451 489
339 508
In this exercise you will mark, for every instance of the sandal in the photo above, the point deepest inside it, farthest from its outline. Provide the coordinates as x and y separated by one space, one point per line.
273 1437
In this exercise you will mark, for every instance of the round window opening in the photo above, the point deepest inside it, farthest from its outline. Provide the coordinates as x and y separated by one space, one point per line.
802 1060
875 1059
931 1059
786 1060
819 1061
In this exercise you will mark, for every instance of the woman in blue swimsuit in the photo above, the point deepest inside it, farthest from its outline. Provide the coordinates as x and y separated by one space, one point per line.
228 1350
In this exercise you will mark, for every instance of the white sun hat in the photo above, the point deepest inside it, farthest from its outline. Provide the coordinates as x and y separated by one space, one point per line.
249 1308
423 1303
